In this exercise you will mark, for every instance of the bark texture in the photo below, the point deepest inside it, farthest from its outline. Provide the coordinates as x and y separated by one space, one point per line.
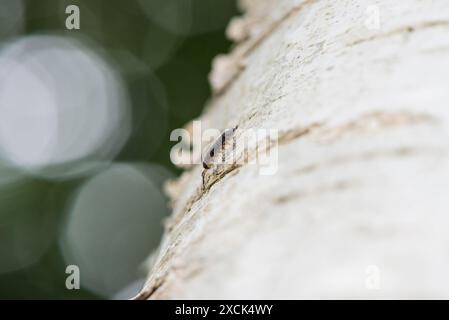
359 207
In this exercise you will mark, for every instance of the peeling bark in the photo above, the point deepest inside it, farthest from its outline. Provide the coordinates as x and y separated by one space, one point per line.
363 162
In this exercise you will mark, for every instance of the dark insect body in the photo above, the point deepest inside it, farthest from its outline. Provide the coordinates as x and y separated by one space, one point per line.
219 146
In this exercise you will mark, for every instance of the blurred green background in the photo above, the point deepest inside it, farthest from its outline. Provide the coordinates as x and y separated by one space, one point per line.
135 69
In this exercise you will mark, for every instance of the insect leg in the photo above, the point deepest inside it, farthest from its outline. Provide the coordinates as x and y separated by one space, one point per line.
223 144
203 175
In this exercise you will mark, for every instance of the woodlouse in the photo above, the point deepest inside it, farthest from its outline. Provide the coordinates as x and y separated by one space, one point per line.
219 146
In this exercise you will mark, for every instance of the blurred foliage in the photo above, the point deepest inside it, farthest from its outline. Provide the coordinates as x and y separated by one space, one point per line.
163 49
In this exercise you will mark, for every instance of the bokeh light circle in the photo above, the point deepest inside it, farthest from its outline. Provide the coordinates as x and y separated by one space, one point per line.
60 103
114 223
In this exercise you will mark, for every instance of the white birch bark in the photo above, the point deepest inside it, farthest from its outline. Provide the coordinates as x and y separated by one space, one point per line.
359 207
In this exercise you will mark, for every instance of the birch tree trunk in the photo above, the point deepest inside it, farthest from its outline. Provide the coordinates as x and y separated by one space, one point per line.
359 206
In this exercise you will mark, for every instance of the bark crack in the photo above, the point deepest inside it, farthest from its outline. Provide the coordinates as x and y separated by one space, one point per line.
402 30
